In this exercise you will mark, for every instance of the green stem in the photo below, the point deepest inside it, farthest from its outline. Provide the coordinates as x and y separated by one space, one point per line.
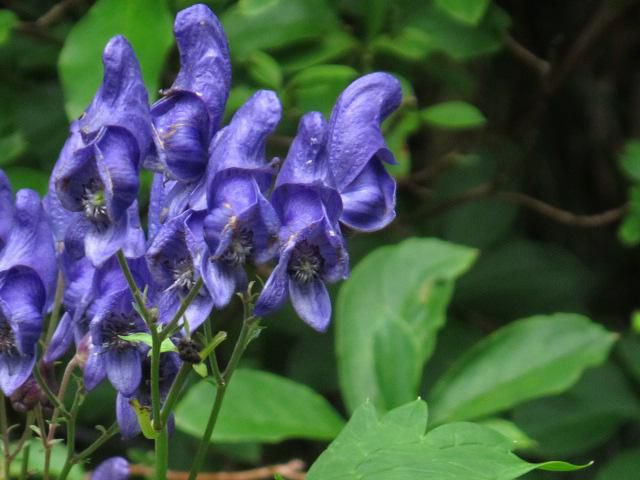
162 454
174 392
44 386
71 434
45 445
213 360
101 440
26 436
55 312
135 291
168 330
155 379
24 467
4 426
244 338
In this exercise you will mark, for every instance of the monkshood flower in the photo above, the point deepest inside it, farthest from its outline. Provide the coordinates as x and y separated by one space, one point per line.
114 468
125 414
27 280
357 151
97 173
174 258
312 249
241 224
114 317
190 112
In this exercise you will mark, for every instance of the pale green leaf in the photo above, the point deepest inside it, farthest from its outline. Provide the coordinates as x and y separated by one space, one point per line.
466 11
395 447
527 359
146 24
387 317
454 115
259 406
264 70
8 20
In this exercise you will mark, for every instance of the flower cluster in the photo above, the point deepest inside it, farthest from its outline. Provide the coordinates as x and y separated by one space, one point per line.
218 204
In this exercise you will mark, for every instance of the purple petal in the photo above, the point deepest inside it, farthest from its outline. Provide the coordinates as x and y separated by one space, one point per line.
181 124
205 66
30 242
311 302
122 99
276 290
94 370
14 371
115 468
168 251
61 340
100 244
222 280
157 205
124 369
242 144
135 244
126 416
369 201
6 209
354 131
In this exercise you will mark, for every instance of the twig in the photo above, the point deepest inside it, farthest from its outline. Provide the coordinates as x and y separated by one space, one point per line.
526 56
54 14
293 470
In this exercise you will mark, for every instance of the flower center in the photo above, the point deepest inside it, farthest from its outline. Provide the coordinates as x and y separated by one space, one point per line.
240 249
183 275
306 262
94 203
7 338
113 327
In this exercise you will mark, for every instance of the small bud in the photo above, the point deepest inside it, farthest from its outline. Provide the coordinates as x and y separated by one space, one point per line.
83 350
188 351
28 396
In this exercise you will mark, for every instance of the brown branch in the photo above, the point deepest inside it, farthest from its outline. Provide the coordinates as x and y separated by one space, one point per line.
486 191
54 14
293 470
527 57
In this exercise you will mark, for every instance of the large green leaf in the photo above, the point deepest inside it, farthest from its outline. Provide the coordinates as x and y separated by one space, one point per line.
267 24
583 417
387 317
145 23
467 11
527 359
395 447
259 406
36 461
625 466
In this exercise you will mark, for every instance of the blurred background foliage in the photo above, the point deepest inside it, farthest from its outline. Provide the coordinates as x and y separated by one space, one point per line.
518 135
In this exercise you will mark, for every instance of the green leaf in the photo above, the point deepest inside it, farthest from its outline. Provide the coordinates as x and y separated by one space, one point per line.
8 19
395 447
466 11
317 88
375 15
582 418
454 115
624 466
259 406
397 137
143 414
201 369
36 461
323 50
521 441
25 177
11 147
387 317
630 160
166 346
411 44
527 359
267 24
629 352
264 70
629 229
146 24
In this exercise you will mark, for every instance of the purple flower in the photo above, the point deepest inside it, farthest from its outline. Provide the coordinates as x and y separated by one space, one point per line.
357 151
174 259
312 248
114 468
127 420
97 172
114 317
27 281
241 224
188 116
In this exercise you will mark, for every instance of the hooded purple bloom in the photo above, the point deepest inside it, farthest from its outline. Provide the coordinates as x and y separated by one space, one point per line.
115 468
97 172
189 114
357 151
313 250
174 259
27 280
127 420
241 224
115 317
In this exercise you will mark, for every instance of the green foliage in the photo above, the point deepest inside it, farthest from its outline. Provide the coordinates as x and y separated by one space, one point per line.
527 359
467 11
453 115
8 20
623 467
259 406
36 460
395 447
387 316
147 25
264 70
